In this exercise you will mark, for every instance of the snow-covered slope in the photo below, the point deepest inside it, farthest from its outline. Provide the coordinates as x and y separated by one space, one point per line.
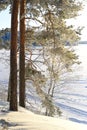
72 100
25 120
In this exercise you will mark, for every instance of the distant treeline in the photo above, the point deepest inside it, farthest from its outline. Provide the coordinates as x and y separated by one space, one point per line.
6 37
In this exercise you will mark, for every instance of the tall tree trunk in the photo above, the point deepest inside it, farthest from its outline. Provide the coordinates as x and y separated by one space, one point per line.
22 55
13 57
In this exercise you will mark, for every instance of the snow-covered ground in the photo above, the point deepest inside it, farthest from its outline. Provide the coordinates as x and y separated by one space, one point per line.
72 100
26 120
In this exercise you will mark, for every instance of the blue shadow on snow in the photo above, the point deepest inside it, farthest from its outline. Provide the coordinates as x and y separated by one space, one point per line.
78 121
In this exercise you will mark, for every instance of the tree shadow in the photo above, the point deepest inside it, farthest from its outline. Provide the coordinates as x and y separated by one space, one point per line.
78 121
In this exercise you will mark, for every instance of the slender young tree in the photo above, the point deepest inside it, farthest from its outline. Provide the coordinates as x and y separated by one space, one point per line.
22 55
13 57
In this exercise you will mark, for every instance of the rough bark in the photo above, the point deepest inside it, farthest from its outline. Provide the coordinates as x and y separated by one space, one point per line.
13 57
22 55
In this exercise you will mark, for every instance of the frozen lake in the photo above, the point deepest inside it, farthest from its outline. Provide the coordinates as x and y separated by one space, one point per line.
73 99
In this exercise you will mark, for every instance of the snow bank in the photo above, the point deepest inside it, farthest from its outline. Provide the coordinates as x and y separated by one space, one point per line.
26 120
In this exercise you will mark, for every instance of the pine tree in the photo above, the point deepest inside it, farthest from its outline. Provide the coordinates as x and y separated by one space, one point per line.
22 55
13 57
4 4
53 33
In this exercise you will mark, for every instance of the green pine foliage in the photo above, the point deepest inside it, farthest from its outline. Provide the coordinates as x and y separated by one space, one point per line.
4 4
52 33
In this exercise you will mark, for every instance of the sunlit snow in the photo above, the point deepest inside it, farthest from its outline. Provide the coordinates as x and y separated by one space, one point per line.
72 100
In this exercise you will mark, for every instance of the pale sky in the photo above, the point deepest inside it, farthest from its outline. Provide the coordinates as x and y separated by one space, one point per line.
81 20
5 19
